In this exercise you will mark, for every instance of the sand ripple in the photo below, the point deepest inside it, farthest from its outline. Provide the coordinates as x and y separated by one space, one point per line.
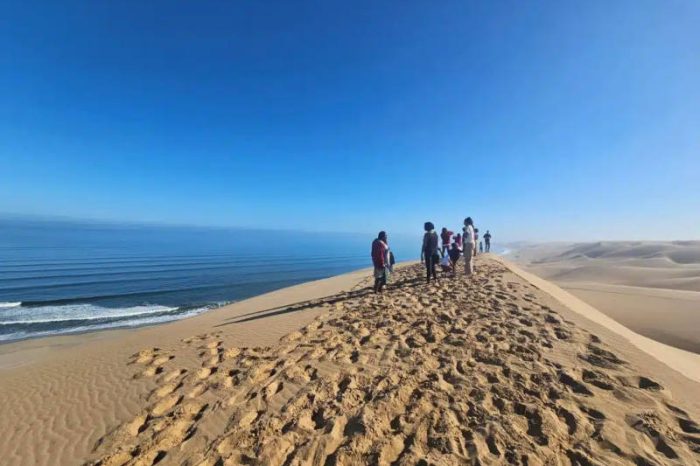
467 371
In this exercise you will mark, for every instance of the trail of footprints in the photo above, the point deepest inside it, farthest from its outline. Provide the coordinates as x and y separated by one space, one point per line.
456 373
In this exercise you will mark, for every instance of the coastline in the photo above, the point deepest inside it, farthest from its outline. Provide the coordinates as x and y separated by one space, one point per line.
88 368
68 392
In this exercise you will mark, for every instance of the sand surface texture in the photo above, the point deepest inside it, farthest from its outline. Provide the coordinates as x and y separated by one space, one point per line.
487 370
61 395
652 288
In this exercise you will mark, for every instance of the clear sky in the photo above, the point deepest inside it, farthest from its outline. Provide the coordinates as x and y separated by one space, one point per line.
542 120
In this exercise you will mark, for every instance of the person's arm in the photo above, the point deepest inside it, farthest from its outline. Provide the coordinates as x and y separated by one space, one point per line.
422 249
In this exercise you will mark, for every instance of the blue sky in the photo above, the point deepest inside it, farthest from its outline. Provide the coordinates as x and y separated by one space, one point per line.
539 119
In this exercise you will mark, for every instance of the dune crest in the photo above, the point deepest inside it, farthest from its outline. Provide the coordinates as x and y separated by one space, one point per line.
467 371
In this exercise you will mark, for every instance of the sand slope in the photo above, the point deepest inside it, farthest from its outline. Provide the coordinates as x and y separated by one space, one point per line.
60 395
486 370
651 287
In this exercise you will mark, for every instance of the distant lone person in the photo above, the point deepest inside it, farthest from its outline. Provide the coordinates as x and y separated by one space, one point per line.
380 260
487 241
429 251
469 246
446 236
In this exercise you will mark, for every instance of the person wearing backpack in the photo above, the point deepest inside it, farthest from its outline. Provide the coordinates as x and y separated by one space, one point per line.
380 260
429 252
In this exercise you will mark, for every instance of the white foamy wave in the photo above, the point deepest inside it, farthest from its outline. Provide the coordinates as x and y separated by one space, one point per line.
5 305
105 326
69 312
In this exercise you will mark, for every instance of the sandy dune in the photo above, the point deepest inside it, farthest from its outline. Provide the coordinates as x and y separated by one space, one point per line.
437 374
483 371
651 287
60 395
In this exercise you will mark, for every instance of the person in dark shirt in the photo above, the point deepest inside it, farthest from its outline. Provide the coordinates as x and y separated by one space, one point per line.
487 241
429 252
455 254
380 256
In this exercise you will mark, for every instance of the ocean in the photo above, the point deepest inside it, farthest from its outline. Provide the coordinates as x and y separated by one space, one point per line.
59 277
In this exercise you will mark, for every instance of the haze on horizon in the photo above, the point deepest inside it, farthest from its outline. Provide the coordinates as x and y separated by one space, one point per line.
542 121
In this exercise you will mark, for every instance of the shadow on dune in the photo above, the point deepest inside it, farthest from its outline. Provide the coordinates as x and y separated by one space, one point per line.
314 303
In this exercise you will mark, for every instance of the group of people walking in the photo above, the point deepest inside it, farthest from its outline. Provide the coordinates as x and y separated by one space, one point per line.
433 253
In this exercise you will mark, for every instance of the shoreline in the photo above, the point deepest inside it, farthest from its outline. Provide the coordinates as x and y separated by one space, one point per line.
200 319
84 386
201 311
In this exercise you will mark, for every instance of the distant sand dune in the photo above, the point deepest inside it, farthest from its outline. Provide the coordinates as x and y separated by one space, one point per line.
651 287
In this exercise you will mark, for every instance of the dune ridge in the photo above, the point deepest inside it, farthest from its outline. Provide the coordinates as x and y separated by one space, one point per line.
486 370
479 373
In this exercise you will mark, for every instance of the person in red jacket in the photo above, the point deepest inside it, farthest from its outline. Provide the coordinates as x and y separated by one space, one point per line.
380 260
446 236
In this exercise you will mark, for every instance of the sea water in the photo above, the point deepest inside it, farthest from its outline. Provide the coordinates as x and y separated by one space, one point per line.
63 277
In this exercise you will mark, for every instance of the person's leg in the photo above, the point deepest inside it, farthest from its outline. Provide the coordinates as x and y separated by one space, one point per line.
433 265
376 285
468 259
428 260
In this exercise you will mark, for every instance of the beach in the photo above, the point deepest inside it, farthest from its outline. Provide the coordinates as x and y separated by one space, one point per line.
501 367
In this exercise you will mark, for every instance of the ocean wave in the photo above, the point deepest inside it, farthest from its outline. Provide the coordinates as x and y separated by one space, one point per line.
153 295
6 305
24 334
77 312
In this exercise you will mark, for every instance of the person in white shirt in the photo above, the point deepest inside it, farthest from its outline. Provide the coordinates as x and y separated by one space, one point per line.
469 246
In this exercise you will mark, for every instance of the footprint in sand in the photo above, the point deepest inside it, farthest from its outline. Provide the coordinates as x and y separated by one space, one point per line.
166 389
173 375
212 361
166 404
206 372
137 425
248 418
160 360
145 356
149 372
198 390
175 434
